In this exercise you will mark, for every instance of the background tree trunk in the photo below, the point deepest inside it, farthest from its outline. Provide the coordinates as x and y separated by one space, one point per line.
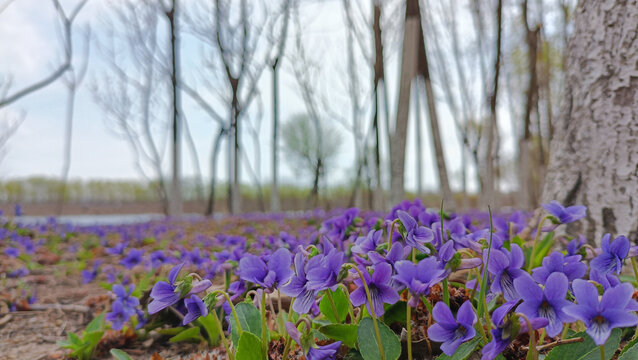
175 197
594 151
408 71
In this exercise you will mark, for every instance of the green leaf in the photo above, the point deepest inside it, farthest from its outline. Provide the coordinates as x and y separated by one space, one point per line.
543 248
346 333
341 305
368 345
190 334
120 355
249 318
463 351
209 324
586 350
92 338
395 313
171 331
96 324
249 347
630 351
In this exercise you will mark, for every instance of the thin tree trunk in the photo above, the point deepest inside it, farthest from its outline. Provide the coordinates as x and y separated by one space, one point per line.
419 150
210 207
424 71
274 191
175 202
378 77
68 136
490 187
528 191
408 72
593 153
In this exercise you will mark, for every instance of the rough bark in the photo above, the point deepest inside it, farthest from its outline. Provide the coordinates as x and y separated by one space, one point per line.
594 152
408 72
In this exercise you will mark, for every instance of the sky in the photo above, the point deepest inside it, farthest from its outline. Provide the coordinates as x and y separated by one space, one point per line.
31 48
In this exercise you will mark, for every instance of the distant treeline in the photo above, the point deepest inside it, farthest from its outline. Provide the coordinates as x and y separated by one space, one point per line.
44 189
48 190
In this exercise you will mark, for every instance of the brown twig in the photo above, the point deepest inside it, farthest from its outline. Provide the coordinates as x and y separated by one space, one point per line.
556 343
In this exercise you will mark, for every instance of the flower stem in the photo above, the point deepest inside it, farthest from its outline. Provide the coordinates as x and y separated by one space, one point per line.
391 232
264 326
538 233
350 308
602 352
408 323
287 348
372 314
332 305
231 356
232 308
532 353
446 292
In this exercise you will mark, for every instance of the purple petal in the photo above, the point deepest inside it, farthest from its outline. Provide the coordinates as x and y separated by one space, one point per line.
442 314
586 293
556 286
407 220
527 288
252 268
438 333
466 315
304 302
172 275
358 296
382 273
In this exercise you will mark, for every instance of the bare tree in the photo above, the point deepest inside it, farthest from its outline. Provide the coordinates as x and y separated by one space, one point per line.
67 20
175 195
275 61
234 37
412 28
72 80
490 186
423 70
133 91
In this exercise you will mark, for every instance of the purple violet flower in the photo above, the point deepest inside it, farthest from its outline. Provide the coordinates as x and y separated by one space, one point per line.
325 352
268 275
449 331
611 259
546 303
416 235
565 214
380 290
571 266
133 258
297 287
505 266
195 307
163 293
601 317
419 278
505 332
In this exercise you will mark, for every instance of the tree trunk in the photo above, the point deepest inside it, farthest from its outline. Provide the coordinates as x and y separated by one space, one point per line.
274 191
528 187
594 150
424 71
378 77
490 187
408 72
419 150
175 199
